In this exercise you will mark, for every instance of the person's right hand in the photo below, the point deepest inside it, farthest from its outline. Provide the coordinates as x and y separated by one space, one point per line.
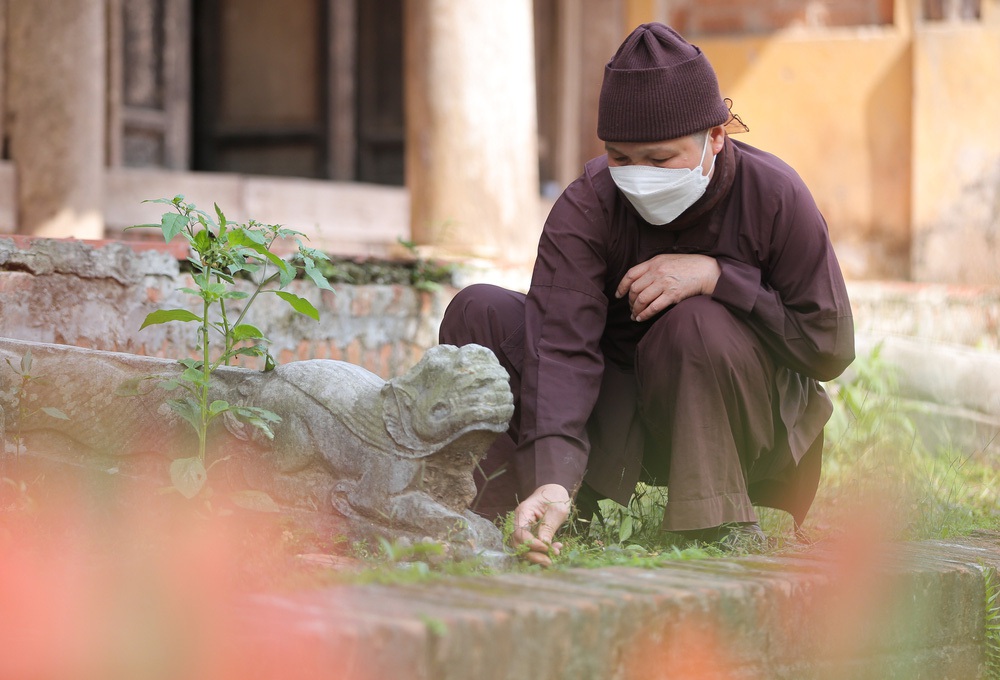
665 280
536 521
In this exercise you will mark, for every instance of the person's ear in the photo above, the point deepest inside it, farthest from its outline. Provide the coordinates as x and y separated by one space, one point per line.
717 137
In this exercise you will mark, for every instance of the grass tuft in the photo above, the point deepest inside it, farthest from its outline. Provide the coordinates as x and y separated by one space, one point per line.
992 606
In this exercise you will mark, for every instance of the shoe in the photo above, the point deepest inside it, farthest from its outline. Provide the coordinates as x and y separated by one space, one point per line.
743 537
733 537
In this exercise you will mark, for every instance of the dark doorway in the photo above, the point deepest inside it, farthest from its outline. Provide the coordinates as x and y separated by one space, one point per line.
301 88
260 104
381 125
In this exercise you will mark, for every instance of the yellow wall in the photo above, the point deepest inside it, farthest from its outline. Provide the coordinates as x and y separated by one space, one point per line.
956 150
835 105
895 129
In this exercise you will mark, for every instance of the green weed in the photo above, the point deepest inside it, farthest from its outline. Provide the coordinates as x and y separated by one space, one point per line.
992 607
402 561
876 458
23 403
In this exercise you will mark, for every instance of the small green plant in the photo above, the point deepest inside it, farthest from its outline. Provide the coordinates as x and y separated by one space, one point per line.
876 458
868 414
23 400
426 275
223 252
402 561
14 491
617 536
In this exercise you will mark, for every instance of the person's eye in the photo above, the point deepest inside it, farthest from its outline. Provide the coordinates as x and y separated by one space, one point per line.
659 161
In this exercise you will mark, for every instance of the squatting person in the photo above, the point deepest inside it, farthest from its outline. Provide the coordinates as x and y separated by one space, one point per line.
684 303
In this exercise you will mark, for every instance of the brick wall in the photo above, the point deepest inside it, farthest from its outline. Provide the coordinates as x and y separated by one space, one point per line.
713 17
68 292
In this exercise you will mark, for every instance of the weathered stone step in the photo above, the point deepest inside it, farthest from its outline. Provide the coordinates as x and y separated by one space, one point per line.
838 610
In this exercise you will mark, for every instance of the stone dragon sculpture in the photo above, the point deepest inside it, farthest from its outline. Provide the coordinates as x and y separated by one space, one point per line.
393 458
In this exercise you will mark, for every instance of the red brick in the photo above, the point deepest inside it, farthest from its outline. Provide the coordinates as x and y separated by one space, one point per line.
361 302
15 281
732 16
384 361
713 23
353 352
305 350
178 247
328 299
335 352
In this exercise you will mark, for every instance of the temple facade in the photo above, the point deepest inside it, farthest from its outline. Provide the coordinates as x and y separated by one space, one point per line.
452 124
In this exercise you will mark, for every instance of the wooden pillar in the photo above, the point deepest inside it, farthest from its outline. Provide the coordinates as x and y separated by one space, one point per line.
56 101
471 129
342 139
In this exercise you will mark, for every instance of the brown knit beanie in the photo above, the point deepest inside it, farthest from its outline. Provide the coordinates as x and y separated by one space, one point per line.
658 86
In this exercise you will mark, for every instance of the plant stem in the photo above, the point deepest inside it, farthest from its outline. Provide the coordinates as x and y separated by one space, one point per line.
253 297
206 371
226 328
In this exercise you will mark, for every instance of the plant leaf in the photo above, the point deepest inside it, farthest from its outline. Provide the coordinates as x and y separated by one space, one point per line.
222 219
193 375
625 529
317 277
253 236
132 387
300 305
215 289
245 331
258 417
250 351
256 411
172 224
169 385
167 315
165 201
254 241
188 476
189 410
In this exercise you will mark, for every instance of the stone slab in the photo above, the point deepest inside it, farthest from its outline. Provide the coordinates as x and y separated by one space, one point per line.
900 611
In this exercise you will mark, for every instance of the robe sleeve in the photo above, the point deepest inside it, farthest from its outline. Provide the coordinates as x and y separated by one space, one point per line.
565 314
799 307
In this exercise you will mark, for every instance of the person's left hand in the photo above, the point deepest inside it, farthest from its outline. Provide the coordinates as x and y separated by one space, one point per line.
665 280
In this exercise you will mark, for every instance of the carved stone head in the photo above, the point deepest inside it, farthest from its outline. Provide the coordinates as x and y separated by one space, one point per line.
451 391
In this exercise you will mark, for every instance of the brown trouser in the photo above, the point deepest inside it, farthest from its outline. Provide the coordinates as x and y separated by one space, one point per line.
696 412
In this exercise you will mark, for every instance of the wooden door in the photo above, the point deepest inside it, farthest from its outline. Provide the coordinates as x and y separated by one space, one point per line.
260 95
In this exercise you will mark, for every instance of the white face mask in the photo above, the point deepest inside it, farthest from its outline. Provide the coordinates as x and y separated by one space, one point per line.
661 194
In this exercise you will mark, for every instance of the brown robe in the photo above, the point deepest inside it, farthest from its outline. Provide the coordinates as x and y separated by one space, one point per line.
716 397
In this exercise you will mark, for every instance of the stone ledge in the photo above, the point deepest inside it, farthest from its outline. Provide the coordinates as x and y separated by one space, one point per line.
965 315
860 610
96 295
951 392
